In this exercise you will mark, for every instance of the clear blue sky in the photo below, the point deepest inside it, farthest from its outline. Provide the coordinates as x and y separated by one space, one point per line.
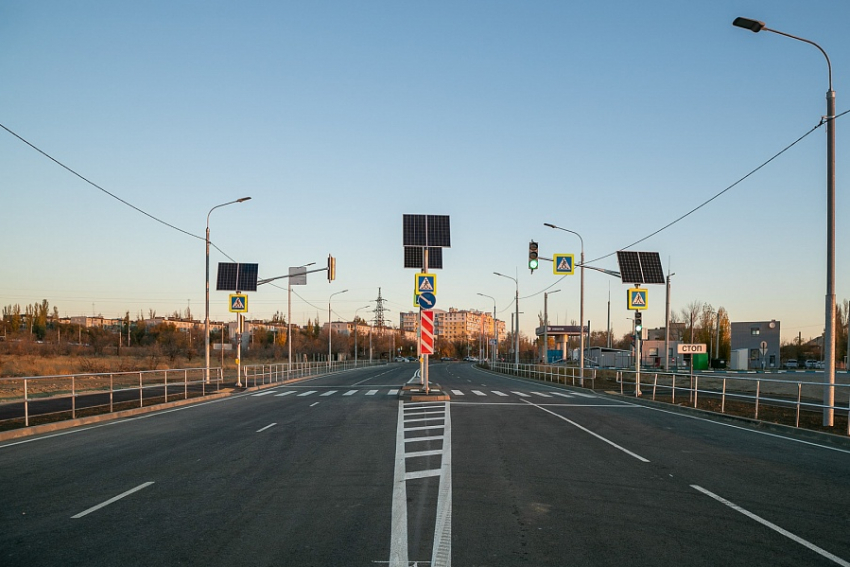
608 118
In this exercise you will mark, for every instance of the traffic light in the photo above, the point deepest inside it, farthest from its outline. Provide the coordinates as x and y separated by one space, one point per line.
331 268
532 256
638 322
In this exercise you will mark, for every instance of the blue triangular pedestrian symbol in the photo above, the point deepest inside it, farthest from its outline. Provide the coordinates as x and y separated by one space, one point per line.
638 299
237 303
425 285
564 265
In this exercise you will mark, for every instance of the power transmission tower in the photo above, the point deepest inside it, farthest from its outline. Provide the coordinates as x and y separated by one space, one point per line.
380 320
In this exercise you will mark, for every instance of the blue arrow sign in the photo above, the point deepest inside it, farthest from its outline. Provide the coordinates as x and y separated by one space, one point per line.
427 300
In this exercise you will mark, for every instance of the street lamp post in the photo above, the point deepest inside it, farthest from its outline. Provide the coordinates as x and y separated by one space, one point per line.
581 307
207 301
495 327
330 329
829 334
355 331
546 325
516 308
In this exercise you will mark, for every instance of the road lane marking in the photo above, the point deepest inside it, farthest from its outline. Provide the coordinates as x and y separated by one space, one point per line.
457 393
284 393
111 500
478 393
371 392
422 474
423 428
266 393
307 393
520 394
541 394
398 537
498 393
586 430
266 427
350 392
563 395
772 526
393 392
314 404
330 393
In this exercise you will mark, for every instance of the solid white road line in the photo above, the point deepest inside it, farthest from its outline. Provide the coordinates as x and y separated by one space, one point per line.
441 554
111 500
773 526
586 430
314 404
398 537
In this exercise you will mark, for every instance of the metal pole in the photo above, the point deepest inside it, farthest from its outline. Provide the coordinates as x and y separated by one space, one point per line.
829 324
516 329
667 327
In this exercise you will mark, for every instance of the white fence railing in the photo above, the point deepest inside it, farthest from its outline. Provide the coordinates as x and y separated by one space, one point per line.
779 390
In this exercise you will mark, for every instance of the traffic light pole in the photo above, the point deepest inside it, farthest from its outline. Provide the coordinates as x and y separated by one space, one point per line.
638 337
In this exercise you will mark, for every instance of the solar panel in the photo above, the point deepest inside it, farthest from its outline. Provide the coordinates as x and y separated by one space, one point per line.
413 258
427 230
640 267
236 277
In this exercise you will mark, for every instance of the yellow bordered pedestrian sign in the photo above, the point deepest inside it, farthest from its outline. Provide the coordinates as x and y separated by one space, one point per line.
425 283
563 264
238 303
636 298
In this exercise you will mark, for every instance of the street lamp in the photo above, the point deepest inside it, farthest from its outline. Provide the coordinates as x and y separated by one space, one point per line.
207 302
329 325
546 325
516 307
495 327
581 307
829 334
355 331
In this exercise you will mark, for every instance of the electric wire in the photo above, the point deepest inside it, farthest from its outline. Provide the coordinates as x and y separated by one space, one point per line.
113 195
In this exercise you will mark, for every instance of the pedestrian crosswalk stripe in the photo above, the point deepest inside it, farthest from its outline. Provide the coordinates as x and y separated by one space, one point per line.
392 392
266 393
584 395
330 392
284 393
520 394
371 392
307 393
542 395
562 394
395 391
478 393
457 393
350 392
498 393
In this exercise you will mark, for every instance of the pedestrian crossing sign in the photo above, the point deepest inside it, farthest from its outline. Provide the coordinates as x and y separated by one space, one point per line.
563 264
238 303
426 283
636 298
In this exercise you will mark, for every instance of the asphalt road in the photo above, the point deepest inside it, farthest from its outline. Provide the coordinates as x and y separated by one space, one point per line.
337 471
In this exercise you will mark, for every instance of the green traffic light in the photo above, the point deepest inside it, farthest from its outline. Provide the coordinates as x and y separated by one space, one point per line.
532 264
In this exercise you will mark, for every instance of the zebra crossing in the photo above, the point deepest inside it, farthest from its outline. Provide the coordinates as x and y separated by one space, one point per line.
457 393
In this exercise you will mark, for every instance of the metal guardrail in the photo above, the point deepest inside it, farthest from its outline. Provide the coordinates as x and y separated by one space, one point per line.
73 394
261 374
756 391
69 396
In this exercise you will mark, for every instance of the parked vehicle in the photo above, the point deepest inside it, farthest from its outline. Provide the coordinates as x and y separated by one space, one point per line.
811 364
790 363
